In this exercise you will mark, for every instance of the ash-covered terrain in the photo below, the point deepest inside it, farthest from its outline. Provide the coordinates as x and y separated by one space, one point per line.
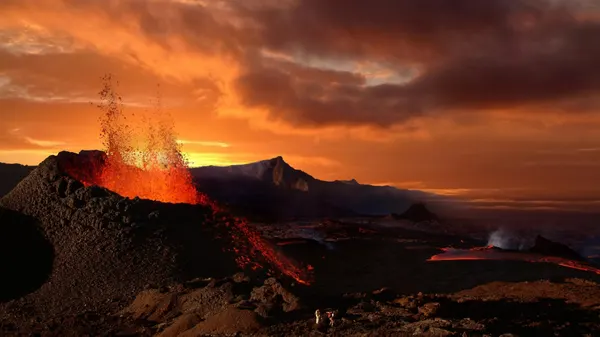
78 259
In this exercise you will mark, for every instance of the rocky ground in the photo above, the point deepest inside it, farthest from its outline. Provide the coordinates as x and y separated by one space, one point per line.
83 261
240 306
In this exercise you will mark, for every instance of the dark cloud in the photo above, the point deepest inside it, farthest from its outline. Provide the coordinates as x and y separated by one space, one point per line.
466 54
552 67
310 102
470 54
389 29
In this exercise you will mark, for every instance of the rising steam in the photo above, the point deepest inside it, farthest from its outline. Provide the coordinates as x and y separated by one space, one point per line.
505 239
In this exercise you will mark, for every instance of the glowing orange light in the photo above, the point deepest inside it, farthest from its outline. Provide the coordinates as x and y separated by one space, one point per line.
491 253
158 171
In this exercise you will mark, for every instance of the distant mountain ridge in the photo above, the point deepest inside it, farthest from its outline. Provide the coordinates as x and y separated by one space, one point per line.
11 174
274 170
275 182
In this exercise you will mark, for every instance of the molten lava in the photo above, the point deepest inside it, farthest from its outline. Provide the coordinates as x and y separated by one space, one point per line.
492 253
152 170
149 165
277 259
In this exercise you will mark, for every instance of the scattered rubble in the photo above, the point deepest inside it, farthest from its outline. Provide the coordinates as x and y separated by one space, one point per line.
273 294
429 309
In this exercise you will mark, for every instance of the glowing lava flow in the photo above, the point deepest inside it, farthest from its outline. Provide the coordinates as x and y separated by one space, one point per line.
158 171
492 253
277 259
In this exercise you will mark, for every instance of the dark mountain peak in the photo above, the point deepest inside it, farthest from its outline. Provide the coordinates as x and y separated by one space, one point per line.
282 174
273 185
279 163
349 182
551 248
417 212
278 160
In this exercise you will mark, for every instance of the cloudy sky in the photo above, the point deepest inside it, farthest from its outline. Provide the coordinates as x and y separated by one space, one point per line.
495 100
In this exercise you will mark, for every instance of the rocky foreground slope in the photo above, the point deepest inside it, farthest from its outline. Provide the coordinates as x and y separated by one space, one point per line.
86 247
241 306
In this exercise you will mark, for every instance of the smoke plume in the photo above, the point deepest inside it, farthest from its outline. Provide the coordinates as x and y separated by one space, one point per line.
505 239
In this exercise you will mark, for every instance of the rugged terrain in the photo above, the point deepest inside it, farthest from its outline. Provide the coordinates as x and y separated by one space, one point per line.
86 247
80 260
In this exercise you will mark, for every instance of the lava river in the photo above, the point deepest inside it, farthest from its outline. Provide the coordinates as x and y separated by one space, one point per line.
493 253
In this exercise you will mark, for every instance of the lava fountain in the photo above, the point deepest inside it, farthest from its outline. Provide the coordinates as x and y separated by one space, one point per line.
155 169
149 164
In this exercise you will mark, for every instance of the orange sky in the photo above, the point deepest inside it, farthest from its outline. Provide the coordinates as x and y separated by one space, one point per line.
496 102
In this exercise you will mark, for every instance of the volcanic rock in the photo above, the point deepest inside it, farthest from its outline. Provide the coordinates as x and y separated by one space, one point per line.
156 306
186 311
181 324
409 302
384 294
429 309
26 257
240 278
97 259
230 321
272 293
265 310
432 327
551 248
468 324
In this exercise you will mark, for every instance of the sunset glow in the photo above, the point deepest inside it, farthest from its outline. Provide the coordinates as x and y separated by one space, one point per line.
498 101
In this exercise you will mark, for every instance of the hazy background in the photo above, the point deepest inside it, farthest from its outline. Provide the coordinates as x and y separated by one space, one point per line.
494 102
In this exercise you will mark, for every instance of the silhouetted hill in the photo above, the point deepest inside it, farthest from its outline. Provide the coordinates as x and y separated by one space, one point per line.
273 188
351 182
274 171
551 248
416 213
11 174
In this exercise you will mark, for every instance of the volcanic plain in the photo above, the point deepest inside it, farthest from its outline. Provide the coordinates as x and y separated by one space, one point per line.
79 259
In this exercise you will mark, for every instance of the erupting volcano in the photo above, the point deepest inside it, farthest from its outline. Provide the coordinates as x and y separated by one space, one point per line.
146 164
149 164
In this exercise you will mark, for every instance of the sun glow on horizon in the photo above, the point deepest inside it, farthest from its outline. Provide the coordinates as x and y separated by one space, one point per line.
199 159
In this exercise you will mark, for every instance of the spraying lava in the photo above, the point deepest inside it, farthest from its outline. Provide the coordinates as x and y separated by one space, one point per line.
154 169
149 164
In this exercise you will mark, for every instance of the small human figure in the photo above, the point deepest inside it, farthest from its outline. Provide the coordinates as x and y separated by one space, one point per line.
331 316
318 317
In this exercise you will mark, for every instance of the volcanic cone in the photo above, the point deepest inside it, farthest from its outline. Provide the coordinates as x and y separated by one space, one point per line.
103 248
